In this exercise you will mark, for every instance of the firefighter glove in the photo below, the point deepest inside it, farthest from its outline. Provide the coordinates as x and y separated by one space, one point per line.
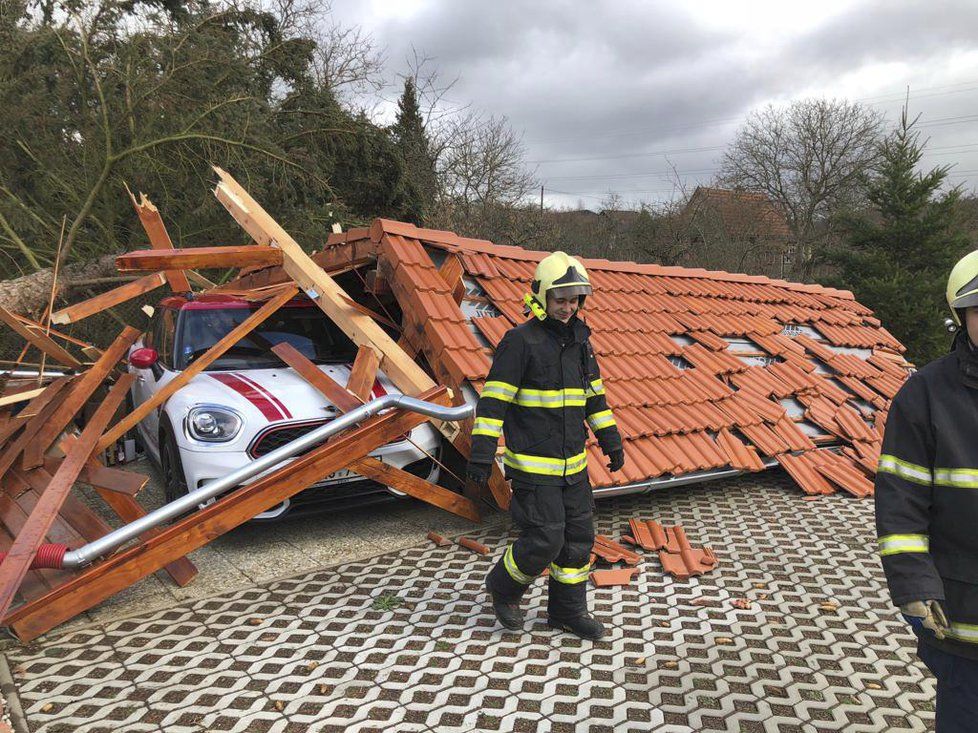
926 615
478 473
616 460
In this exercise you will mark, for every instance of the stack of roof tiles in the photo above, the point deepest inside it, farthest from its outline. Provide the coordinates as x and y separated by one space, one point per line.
808 385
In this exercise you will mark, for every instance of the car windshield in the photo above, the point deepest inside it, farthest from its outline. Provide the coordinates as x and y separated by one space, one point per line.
306 328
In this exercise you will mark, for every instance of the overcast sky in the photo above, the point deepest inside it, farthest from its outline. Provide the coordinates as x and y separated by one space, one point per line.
609 96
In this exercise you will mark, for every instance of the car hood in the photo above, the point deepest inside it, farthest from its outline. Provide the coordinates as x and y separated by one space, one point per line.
270 395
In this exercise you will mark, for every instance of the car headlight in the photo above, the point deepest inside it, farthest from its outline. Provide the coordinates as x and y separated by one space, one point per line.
213 424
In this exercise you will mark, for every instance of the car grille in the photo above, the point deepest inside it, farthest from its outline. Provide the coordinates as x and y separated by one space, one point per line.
278 435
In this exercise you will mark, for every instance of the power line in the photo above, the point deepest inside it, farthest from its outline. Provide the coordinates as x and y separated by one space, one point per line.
638 131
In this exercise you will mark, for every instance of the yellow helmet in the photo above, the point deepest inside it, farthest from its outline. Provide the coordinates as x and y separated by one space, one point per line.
558 273
962 285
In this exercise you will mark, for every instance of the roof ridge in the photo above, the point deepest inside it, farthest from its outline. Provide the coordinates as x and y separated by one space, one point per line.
454 242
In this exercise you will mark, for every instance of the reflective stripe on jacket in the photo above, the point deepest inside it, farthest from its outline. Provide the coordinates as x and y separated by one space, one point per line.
543 385
927 492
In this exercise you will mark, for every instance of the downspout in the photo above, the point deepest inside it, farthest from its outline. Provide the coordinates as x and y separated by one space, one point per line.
58 556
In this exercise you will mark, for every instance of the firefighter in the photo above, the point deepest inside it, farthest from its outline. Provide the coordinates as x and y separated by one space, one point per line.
543 385
927 508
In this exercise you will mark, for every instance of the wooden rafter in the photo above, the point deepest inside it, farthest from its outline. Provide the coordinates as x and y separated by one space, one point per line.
157 259
36 337
108 299
364 373
409 377
369 466
40 410
80 393
159 238
121 570
18 559
329 387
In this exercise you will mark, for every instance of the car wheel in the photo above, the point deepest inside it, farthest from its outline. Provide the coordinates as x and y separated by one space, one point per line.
174 481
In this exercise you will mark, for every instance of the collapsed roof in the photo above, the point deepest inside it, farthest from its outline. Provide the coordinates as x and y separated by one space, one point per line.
708 373
704 370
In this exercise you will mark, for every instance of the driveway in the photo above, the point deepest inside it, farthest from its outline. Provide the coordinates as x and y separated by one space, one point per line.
364 625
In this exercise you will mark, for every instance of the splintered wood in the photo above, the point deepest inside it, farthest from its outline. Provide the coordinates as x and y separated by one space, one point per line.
57 429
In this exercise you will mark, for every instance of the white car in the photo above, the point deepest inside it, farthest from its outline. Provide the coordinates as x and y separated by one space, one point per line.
248 402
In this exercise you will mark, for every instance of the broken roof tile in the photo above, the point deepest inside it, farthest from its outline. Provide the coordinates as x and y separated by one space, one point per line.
841 471
493 328
806 475
739 455
667 393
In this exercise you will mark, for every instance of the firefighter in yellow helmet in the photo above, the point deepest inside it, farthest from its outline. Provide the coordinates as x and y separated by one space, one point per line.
927 508
543 386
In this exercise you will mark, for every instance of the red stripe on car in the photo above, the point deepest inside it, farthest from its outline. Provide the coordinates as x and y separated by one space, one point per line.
268 394
267 408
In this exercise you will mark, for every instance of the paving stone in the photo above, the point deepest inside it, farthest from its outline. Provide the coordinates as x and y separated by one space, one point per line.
403 640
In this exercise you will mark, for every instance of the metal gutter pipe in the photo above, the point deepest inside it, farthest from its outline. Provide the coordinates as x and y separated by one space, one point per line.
104 545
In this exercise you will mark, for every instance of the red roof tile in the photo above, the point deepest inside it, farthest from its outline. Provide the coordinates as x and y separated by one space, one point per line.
805 474
493 328
669 396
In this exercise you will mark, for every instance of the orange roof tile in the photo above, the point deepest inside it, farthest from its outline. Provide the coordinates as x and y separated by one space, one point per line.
805 474
662 334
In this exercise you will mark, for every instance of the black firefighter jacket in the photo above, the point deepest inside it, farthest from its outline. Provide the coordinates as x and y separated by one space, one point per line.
544 382
927 494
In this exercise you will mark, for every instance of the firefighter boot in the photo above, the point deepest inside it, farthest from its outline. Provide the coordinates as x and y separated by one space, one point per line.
506 595
586 627
567 603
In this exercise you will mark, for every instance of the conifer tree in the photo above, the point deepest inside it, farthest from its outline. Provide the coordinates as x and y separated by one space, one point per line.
898 256
415 148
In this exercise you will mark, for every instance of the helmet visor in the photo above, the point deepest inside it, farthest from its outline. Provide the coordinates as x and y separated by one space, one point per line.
965 301
569 290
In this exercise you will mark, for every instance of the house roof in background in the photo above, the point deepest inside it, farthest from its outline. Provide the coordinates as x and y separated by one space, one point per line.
740 213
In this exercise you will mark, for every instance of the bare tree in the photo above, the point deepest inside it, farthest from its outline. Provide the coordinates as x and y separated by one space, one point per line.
809 158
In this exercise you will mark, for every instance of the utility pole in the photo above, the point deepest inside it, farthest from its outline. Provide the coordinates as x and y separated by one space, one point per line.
541 198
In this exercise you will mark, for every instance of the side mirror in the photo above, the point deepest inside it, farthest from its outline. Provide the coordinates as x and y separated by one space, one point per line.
143 358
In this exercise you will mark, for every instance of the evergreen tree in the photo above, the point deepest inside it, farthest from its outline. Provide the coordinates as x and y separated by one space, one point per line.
415 149
899 255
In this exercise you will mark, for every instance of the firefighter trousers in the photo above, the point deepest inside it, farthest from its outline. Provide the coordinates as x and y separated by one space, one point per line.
556 526
957 689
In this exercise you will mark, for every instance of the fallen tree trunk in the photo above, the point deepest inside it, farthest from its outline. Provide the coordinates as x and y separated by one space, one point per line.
28 295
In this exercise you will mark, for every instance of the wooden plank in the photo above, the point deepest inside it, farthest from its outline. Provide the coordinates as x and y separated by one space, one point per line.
451 272
200 364
117 480
120 498
13 399
364 373
40 410
331 389
121 570
159 238
414 486
37 582
159 259
330 297
80 393
75 524
200 280
86 348
38 339
17 562
369 466
11 425
86 308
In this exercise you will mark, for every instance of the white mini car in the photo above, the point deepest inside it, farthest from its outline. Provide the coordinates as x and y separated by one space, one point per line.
248 402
